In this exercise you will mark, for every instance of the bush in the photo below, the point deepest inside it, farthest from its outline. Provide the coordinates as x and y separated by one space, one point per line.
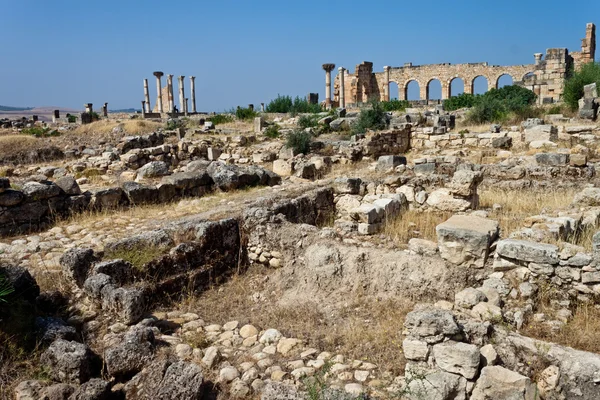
395 105
71 119
221 119
245 114
373 118
38 131
463 100
299 142
498 105
554 110
308 121
285 104
272 131
573 91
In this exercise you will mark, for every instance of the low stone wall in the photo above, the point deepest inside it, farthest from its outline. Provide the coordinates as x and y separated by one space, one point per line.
393 141
37 204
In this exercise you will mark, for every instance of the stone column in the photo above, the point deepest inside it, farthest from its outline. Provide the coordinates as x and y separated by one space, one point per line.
170 93
193 92
342 88
185 107
146 96
538 58
159 104
386 83
181 93
143 109
328 68
446 91
105 110
89 107
468 85
262 107
423 92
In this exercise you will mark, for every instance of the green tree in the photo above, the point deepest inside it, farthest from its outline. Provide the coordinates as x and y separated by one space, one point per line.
370 118
573 91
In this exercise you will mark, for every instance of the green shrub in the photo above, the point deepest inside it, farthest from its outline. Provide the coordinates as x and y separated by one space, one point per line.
285 104
395 105
299 141
554 110
573 91
272 131
38 131
487 110
498 105
174 124
95 116
245 114
372 118
308 121
513 97
71 119
221 119
463 100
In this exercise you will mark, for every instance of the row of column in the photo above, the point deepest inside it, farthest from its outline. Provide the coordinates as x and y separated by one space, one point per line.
170 97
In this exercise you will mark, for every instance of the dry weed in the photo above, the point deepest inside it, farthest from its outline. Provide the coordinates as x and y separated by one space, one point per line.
415 224
364 328
516 205
12 144
128 127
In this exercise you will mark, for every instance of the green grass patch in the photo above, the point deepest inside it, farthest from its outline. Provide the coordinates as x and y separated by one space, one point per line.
137 256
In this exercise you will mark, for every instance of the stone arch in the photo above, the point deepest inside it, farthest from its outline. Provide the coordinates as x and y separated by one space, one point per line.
478 86
428 93
528 76
501 80
453 88
411 92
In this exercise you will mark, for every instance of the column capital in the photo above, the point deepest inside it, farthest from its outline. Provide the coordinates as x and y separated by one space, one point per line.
170 76
386 67
181 76
328 67
192 78
158 74
341 69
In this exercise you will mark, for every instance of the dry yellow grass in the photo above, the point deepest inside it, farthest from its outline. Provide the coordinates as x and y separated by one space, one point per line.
415 224
516 205
130 127
12 144
364 328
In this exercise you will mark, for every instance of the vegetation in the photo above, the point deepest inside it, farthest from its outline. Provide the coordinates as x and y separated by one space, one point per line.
573 91
299 141
285 104
137 256
372 118
463 100
38 131
308 121
71 119
5 288
272 131
245 114
500 105
7 108
395 105
221 119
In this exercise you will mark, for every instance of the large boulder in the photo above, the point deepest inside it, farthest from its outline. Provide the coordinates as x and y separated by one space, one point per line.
464 183
498 382
76 263
127 304
68 185
21 281
138 193
11 197
464 239
587 197
431 325
457 358
166 380
153 169
69 361
132 354
107 198
439 385
442 200
35 191
94 389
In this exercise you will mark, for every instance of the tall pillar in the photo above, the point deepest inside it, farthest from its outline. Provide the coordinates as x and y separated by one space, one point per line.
328 68
181 93
193 92
143 108
468 85
105 110
146 96
185 107
386 83
423 92
262 107
170 93
342 88
446 90
159 104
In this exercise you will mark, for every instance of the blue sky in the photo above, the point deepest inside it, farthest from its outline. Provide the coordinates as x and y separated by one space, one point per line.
70 52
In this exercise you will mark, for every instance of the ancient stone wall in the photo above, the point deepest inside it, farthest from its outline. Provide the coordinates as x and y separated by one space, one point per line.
545 77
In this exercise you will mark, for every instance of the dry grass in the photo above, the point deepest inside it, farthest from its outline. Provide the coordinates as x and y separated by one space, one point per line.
11 144
364 328
129 127
516 205
415 224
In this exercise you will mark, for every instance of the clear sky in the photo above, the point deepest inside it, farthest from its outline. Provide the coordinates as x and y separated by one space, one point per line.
70 52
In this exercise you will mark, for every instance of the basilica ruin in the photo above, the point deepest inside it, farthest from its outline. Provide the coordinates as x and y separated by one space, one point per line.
545 77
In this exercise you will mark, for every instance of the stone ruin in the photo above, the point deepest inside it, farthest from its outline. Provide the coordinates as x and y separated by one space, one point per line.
165 100
545 77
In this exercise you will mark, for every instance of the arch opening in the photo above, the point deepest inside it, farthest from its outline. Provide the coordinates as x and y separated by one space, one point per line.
479 85
412 90
457 87
504 80
434 89
394 91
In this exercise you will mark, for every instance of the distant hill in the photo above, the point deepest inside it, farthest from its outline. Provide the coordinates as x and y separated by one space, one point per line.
7 108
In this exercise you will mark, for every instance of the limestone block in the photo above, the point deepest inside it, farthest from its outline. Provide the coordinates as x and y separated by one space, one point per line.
415 350
524 250
456 357
282 167
466 239
497 382
541 132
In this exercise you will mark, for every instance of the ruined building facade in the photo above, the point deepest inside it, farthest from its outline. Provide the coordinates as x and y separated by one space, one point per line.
545 77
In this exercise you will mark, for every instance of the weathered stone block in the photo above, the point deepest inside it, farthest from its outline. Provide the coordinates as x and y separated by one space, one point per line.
466 239
524 250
